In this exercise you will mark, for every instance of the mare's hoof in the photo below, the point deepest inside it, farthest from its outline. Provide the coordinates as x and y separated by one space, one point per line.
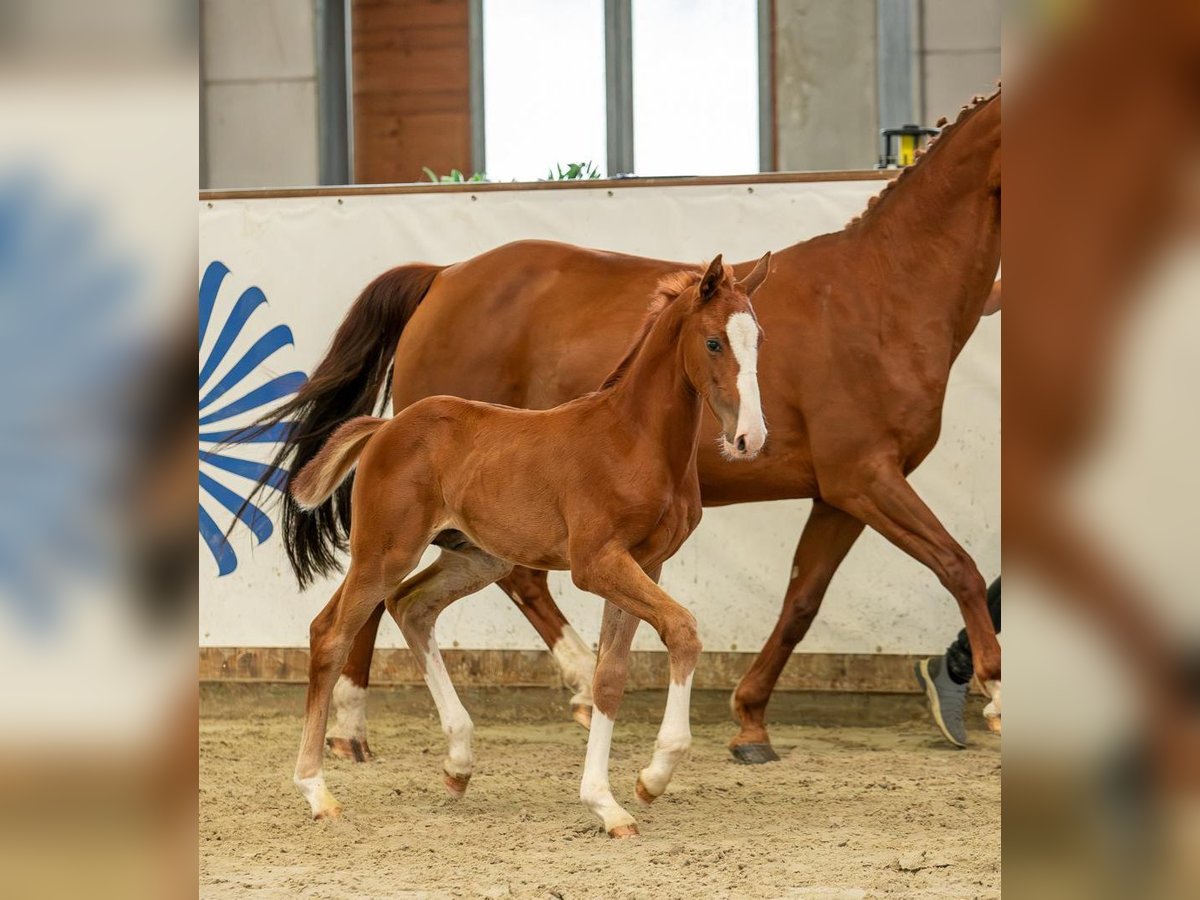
456 785
351 749
643 794
582 714
623 831
754 754
332 812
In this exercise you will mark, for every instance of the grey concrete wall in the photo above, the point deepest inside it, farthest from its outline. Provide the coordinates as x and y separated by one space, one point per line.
259 104
825 82
960 53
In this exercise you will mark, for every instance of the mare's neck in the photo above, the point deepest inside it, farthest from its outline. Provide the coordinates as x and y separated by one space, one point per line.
933 239
654 397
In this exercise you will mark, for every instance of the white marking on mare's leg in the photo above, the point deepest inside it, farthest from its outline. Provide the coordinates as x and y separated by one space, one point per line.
456 721
350 711
991 712
742 331
578 665
594 789
673 742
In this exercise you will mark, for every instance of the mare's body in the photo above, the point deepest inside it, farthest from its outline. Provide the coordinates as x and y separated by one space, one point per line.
864 324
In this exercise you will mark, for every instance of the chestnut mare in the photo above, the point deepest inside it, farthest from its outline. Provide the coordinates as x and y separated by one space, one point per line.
605 486
868 322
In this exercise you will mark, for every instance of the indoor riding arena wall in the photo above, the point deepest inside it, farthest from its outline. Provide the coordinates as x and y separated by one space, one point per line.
310 252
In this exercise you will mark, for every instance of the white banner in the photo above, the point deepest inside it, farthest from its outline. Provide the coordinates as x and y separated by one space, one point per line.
310 256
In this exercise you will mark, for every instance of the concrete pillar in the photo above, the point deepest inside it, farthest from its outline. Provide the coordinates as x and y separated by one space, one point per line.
260 93
825 84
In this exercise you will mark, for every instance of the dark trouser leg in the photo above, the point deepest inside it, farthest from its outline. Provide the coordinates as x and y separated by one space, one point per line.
958 654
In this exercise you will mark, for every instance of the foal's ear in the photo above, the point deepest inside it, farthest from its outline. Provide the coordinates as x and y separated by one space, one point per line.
712 279
757 276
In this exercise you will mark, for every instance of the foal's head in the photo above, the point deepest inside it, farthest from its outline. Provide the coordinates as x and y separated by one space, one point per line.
719 339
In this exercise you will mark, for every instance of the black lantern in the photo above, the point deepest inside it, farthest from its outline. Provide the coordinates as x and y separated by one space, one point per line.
900 145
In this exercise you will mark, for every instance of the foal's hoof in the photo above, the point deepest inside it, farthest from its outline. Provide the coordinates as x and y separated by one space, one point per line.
754 754
643 794
351 749
456 785
331 812
582 714
623 831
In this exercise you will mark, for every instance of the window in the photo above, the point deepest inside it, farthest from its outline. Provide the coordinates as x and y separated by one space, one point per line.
695 87
544 86
679 90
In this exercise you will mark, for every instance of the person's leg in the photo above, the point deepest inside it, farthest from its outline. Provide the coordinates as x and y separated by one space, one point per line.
958 654
945 679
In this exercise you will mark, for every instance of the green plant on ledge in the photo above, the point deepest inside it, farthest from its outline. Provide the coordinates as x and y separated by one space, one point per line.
576 171
455 177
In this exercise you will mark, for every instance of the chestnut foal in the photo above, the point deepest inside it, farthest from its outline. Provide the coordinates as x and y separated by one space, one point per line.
605 485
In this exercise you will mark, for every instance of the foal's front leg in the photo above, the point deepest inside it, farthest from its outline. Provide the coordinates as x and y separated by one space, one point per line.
608 687
618 578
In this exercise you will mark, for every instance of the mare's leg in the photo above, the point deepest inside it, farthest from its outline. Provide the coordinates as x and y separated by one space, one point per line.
827 538
887 502
348 734
612 669
531 594
617 578
330 636
416 607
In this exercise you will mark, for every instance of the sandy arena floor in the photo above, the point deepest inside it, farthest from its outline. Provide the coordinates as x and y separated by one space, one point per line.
849 811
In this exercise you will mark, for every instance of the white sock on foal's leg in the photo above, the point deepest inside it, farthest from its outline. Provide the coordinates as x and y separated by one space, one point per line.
456 721
320 800
673 742
594 789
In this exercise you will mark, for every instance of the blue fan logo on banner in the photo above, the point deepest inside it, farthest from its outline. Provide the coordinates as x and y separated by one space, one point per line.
235 390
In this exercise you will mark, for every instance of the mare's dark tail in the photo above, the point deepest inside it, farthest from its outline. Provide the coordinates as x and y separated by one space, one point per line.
349 381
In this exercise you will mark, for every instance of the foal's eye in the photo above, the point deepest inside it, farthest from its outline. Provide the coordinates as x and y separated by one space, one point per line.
713 345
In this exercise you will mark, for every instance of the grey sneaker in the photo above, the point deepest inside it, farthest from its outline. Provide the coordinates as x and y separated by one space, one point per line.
946 699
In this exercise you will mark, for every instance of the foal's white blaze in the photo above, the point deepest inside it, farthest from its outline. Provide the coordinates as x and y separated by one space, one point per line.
594 790
742 332
350 708
456 721
674 739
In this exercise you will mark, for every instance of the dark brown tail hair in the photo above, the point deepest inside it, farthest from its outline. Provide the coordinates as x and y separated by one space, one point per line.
347 383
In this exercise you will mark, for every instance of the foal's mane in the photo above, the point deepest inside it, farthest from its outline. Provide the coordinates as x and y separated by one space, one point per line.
669 288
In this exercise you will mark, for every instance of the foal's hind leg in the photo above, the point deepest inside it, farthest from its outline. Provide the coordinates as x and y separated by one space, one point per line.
531 594
416 607
528 590
330 637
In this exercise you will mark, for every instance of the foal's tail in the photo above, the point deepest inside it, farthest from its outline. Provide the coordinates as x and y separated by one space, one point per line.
316 482
346 383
